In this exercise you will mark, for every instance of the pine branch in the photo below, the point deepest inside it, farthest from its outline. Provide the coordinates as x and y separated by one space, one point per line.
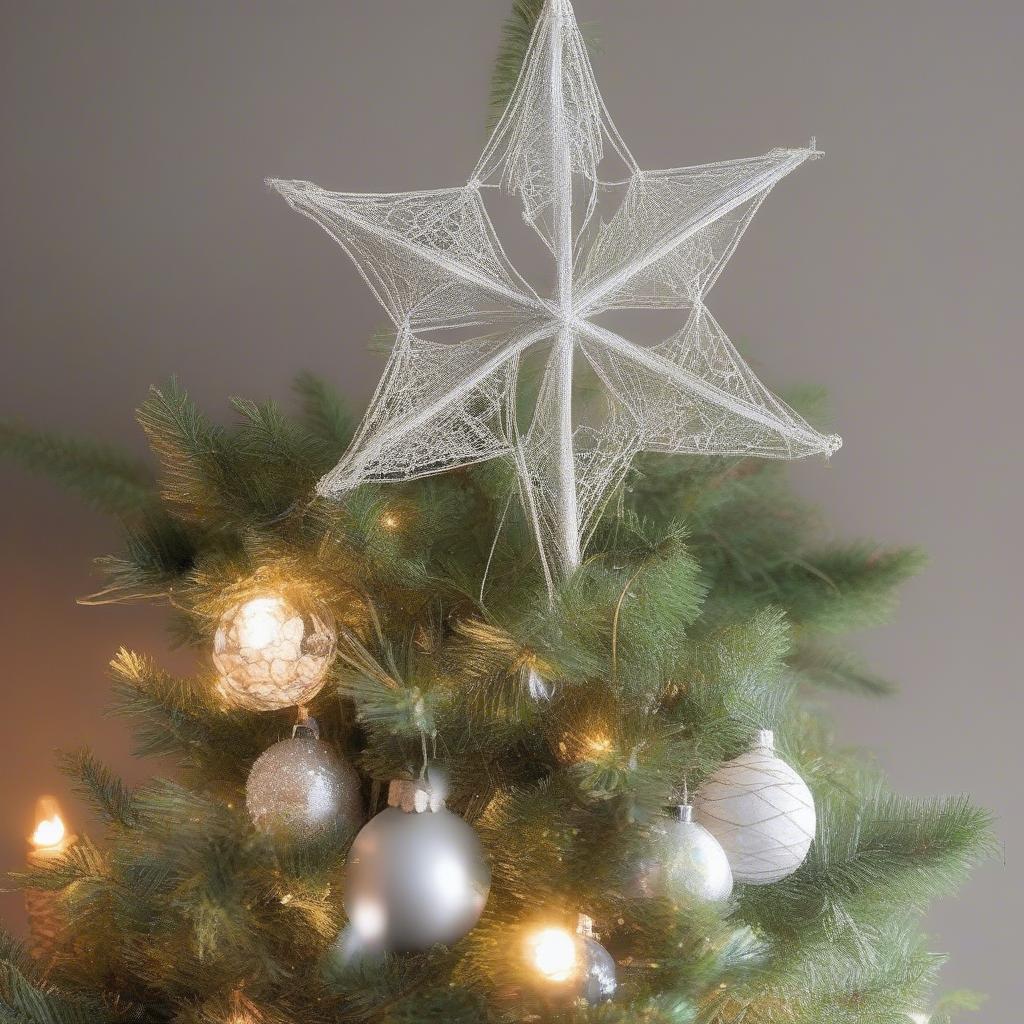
80 862
878 975
845 588
871 855
837 669
190 449
28 1002
107 793
516 34
159 551
181 717
325 413
108 479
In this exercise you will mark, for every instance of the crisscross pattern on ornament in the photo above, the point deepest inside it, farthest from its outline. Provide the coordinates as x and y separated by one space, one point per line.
434 261
762 813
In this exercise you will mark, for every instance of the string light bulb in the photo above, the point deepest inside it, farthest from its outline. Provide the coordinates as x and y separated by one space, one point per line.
575 965
553 953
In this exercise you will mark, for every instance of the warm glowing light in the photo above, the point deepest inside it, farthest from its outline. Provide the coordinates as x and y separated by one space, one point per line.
368 920
260 621
390 521
553 953
49 832
599 744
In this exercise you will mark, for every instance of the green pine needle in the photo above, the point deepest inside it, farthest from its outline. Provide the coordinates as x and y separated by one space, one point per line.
108 479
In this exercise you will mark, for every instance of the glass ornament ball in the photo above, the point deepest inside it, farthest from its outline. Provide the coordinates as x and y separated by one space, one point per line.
692 862
597 979
413 879
573 966
273 654
299 788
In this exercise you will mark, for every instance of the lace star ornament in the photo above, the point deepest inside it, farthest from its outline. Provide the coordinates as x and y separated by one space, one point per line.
435 262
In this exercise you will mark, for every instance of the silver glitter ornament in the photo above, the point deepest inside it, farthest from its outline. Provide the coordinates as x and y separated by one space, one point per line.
691 861
574 966
299 788
271 653
415 876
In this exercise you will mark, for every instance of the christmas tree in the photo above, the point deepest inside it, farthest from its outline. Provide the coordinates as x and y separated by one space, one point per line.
508 701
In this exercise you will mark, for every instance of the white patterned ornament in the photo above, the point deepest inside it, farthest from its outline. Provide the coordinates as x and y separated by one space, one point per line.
272 654
760 811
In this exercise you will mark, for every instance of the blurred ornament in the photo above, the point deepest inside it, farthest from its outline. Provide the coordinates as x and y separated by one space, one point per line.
416 874
272 654
689 862
300 788
580 732
760 811
577 966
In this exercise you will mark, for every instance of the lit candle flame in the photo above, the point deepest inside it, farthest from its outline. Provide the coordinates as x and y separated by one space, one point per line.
49 832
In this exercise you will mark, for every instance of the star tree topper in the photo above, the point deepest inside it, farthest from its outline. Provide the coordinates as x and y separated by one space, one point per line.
434 261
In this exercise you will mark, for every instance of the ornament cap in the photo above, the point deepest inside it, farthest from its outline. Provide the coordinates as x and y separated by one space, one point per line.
305 725
764 740
414 796
685 812
585 926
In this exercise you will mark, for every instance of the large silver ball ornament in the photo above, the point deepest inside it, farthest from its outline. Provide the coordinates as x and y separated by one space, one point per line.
415 878
273 654
760 811
300 788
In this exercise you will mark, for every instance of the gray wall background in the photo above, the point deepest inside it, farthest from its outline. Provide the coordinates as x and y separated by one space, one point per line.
138 242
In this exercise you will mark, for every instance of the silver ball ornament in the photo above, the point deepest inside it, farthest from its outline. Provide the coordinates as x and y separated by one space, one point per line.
574 966
760 811
597 978
415 878
300 788
689 862
271 653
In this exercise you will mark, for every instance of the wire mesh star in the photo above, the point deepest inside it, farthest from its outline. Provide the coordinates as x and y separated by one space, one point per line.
434 261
